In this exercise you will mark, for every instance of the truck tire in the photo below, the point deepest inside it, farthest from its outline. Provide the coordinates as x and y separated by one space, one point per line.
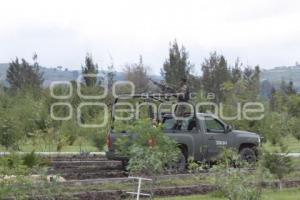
248 154
178 166
182 162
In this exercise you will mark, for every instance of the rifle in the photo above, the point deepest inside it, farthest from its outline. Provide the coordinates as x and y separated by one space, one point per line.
163 87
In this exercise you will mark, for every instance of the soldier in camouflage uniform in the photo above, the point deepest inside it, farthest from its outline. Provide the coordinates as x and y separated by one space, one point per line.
182 96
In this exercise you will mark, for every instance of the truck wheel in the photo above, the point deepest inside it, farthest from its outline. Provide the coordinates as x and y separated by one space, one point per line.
182 162
180 165
248 154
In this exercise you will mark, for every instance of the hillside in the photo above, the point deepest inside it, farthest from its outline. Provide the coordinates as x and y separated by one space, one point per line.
272 76
55 74
287 73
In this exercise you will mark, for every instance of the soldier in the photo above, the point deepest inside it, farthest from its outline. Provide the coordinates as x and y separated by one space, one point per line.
182 96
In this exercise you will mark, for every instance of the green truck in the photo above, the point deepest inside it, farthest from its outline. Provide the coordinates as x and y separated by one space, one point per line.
202 136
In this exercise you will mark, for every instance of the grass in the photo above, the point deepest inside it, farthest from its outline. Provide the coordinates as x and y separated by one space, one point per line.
67 148
292 143
41 146
286 194
83 144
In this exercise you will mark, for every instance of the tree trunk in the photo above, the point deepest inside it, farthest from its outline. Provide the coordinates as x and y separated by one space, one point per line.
280 185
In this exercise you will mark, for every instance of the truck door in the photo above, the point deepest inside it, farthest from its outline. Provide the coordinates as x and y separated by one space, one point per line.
186 133
215 138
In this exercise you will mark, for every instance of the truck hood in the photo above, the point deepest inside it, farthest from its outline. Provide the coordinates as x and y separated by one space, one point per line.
245 134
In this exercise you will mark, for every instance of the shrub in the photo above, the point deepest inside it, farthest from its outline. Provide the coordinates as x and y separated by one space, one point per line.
278 165
31 160
236 183
148 148
10 132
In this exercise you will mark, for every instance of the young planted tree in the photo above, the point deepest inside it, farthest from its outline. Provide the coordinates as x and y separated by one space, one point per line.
279 165
234 183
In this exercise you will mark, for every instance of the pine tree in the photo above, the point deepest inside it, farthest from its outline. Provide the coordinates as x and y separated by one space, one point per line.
22 75
215 73
176 65
90 70
236 72
251 79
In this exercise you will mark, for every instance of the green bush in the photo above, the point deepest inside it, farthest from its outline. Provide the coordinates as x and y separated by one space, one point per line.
236 183
12 164
278 165
148 148
31 160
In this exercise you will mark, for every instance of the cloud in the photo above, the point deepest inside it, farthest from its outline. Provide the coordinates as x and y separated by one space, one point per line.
261 32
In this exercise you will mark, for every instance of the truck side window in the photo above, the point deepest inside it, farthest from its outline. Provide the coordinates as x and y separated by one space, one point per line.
169 123
188 125
213 125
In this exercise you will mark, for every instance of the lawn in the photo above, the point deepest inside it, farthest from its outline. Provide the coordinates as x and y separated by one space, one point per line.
287 194
84 145
80 145
292 143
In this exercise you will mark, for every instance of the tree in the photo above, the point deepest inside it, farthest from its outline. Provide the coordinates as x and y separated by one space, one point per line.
22 75
90 70
293 106
279 165
215 73
236 71
110 76
137 73
289 88
176 65
250 82
272 102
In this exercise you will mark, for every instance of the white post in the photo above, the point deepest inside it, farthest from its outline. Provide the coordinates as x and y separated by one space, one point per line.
139 189
138 192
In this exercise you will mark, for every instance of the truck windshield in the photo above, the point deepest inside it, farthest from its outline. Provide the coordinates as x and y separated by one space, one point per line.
213 125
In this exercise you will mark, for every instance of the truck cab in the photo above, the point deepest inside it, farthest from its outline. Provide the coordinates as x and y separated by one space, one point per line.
202 136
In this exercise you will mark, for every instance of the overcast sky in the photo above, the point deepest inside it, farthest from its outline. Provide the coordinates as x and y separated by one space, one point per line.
264 32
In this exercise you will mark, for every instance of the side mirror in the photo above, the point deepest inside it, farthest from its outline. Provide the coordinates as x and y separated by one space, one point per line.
228 129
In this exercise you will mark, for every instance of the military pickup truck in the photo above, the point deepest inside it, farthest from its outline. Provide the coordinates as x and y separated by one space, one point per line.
203 137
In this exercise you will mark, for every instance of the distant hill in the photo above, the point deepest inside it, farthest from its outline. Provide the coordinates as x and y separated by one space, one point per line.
268 76
287 73
59 74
